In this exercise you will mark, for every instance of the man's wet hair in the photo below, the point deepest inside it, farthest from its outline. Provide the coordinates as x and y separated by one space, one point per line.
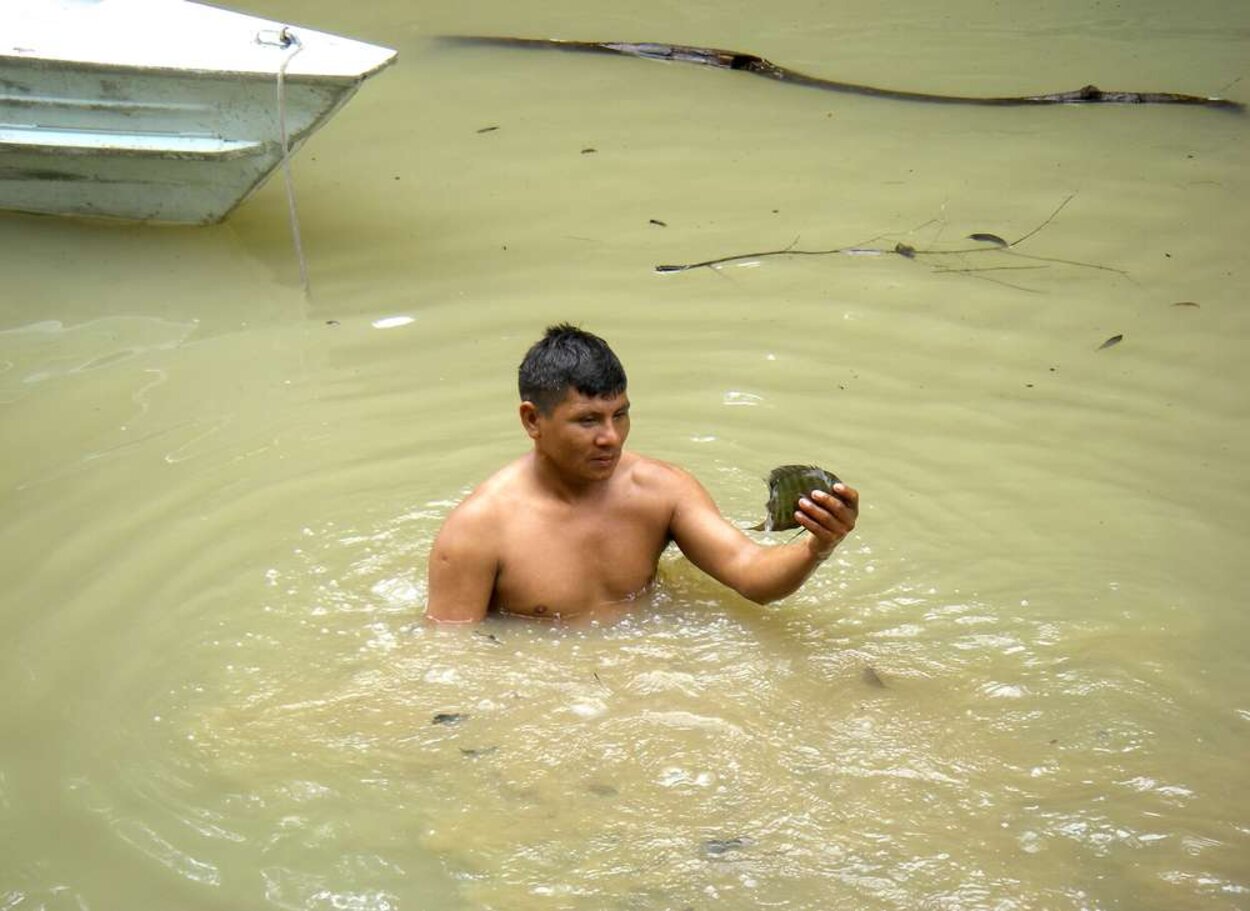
567 357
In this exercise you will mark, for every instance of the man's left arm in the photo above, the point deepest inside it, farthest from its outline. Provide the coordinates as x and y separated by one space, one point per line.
758 572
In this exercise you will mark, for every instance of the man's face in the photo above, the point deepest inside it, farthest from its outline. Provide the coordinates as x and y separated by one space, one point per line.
583 436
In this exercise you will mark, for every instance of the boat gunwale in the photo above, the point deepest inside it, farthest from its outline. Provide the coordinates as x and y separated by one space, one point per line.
91 66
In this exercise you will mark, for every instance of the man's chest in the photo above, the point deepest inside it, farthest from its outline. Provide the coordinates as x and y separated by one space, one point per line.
567 567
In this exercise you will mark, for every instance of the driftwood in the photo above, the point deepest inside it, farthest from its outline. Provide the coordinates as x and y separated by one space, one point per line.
987 243
750 63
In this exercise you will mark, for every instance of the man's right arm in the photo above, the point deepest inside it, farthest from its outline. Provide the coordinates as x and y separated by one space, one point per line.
462 569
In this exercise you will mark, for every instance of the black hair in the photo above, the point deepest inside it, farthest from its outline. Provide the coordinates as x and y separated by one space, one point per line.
565 357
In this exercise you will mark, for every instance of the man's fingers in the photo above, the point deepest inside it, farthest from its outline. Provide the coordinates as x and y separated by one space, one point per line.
828 539
844 509
848 495
836 520
829 517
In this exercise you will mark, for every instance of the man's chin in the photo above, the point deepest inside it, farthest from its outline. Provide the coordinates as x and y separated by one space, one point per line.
603 467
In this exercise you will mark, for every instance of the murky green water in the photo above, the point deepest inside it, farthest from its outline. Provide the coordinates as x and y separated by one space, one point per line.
218 497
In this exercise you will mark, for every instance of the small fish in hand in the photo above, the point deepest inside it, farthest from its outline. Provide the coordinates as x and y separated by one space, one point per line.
786 485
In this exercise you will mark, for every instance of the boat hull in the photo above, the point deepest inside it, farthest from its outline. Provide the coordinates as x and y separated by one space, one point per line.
159 143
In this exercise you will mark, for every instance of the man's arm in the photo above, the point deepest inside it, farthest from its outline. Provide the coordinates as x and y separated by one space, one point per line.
463 565
757 572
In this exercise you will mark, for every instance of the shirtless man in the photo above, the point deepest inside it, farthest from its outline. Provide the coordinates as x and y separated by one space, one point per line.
575 528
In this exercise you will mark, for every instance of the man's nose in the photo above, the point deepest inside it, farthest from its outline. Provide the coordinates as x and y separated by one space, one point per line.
608 436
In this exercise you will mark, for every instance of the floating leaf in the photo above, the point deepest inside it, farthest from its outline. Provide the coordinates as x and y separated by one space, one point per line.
1114 340
989 239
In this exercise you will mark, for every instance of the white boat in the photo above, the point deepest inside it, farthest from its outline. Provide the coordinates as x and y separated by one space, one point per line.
158 110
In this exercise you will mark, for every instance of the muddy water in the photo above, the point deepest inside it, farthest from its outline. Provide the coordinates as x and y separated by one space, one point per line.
218 496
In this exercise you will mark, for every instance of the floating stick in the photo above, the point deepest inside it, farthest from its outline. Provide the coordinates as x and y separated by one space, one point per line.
990 243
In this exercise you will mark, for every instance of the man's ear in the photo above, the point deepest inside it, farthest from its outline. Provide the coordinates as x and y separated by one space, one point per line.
529 419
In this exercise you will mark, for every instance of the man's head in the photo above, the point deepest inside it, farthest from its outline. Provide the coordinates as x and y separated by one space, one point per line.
573 404
568 359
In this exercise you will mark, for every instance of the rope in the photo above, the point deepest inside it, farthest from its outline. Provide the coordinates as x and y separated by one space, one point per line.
287 39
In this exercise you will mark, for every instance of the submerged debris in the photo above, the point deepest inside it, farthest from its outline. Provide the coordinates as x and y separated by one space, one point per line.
995 243
871 677
719 846
719 58
989 239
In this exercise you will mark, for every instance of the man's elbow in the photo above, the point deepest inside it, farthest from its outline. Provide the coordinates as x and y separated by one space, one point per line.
762 592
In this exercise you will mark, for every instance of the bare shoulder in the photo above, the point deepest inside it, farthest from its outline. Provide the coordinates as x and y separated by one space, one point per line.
480 511
657 476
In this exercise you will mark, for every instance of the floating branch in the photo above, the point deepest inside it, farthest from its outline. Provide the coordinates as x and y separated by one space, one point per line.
989 243
750 63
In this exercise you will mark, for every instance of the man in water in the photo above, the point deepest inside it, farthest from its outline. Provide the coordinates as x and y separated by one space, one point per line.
574 529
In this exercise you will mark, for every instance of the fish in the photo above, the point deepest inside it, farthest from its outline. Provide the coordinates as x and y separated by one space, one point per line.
449 718
1114 340
786 484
